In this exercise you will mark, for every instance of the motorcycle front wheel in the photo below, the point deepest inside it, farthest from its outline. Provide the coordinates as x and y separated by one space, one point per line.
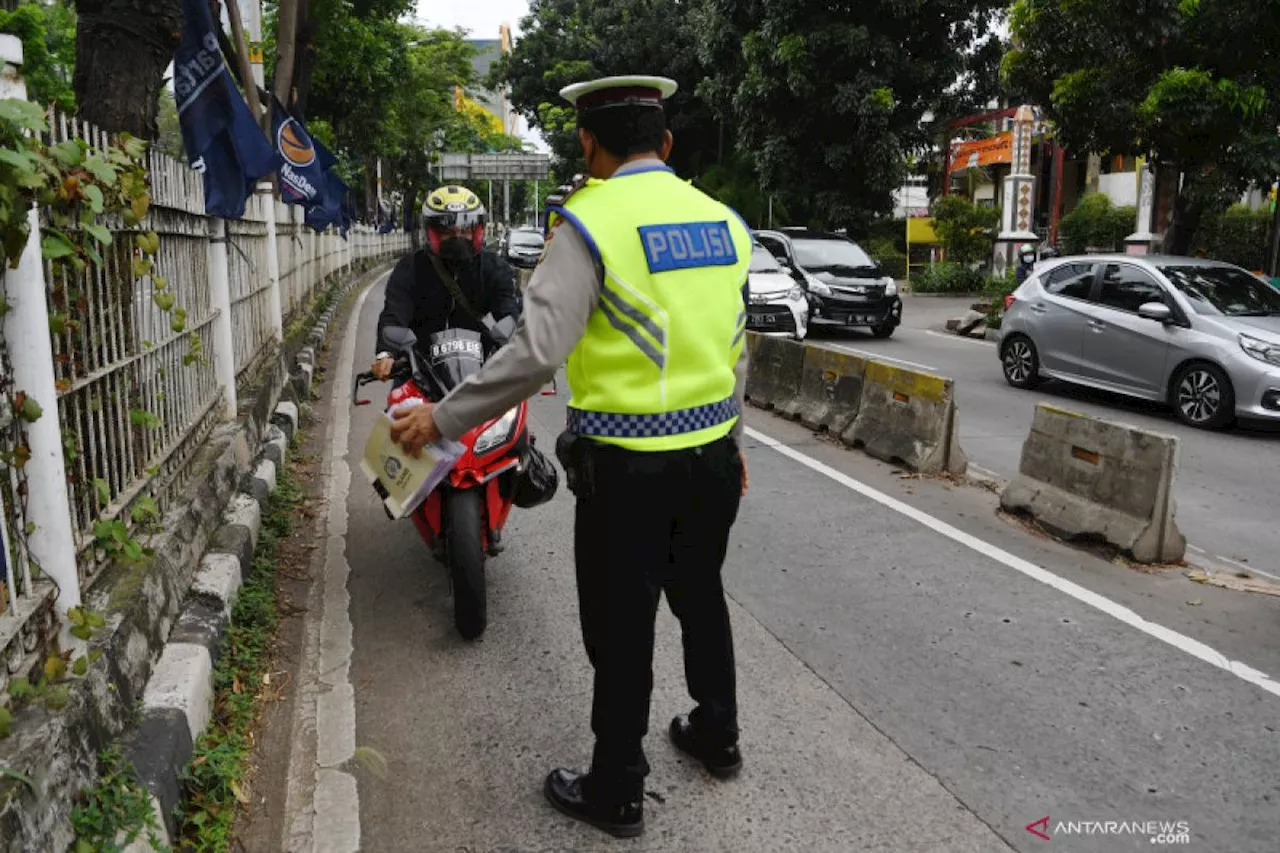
464 554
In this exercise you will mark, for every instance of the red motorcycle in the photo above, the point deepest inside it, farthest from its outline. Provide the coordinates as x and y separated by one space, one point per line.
463 517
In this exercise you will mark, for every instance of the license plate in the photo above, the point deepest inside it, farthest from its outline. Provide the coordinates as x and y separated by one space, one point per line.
763 319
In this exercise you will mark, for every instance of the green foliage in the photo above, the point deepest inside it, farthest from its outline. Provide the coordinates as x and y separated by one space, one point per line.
885 253
117 804
967 230
48 34
948 277
827 99
1096 223
1238 236
1194 86
217 777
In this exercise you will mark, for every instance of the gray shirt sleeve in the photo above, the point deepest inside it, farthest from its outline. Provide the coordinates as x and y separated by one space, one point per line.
559 300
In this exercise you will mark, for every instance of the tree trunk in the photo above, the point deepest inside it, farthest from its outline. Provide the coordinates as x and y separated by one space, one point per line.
286 35
1182 225
122 50
304 55
1273 256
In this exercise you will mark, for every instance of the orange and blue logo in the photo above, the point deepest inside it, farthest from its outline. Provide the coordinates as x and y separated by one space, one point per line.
294 144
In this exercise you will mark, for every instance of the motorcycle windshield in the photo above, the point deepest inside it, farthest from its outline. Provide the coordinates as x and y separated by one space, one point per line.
453 355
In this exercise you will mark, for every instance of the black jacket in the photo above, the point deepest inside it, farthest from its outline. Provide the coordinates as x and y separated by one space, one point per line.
417 299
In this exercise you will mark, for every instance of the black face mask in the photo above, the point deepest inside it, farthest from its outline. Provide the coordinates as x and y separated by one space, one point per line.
457 249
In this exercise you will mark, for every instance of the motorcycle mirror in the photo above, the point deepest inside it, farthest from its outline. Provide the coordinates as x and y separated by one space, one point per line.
400 337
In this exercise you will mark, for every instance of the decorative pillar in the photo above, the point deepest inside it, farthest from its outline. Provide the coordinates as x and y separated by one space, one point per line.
1143 238
1019 195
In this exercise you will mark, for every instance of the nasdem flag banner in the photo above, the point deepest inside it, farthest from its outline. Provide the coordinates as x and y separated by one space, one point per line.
220 136
305 171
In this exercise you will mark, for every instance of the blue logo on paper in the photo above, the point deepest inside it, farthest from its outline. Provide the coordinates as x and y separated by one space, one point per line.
688 245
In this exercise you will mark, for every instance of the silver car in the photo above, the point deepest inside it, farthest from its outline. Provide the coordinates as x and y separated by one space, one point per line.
1202 336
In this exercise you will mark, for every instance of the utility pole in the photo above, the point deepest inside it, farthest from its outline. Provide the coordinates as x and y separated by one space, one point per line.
1273 268
506 202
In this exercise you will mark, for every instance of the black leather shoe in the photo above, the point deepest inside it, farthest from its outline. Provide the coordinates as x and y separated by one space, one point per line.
720 761
564 792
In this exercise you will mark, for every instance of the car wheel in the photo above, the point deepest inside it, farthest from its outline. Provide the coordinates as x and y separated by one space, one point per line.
882 331
1021 362
1203 396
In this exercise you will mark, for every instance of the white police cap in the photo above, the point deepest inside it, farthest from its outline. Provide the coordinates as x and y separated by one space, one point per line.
628 90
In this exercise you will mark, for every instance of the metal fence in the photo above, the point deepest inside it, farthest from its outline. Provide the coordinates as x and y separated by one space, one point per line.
130 391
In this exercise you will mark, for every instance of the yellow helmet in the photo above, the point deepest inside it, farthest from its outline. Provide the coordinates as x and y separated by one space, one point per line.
454 220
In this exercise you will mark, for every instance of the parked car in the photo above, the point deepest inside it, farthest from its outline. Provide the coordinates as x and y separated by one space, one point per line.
1201 336
844 285
775 303
523 247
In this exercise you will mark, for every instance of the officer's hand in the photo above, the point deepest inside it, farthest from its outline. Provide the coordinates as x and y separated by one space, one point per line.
414 428
746 480
382 368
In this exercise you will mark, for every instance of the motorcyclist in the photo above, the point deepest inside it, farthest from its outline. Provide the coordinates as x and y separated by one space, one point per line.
1026 263
452 282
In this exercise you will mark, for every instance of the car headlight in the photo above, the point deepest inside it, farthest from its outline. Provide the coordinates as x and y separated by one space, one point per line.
818 287
1260 349
496 434
796 292
890 287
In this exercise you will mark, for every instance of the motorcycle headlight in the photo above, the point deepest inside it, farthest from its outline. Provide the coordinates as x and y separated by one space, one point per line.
796 292
890 287
1261 350
497 433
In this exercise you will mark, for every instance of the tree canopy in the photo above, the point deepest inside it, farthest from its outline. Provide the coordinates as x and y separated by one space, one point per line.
828 98
1192 84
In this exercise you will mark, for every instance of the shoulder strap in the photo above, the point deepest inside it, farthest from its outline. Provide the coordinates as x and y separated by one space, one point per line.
456 292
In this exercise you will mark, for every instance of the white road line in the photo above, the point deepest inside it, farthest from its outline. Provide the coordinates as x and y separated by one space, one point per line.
982 342
1195 648
1253 570
878 356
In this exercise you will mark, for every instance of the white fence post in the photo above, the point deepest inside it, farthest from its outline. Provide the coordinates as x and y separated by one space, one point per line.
268 197
224 343
26 329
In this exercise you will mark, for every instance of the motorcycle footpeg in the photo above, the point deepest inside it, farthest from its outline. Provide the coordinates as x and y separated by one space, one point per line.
495 543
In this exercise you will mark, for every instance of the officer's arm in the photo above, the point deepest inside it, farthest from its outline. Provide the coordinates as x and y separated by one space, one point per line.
559 300
397 307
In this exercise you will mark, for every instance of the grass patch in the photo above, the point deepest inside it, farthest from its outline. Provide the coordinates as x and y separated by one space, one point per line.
113 814
216 781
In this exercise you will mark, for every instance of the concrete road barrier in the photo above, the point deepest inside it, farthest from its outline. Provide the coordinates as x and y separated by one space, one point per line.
908 418
773 371
1082 476
829 392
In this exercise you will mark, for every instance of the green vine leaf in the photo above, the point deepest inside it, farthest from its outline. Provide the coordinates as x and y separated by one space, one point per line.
69 154
29 410
159 282
103 490
25 114
164 301
21 688
56 246
58 698
141 267
97 202
179 322
140 205
6 722
143 418
100 233
103 171
57 323
80 667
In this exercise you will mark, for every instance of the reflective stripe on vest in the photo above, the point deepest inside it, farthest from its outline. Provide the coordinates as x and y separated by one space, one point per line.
615 425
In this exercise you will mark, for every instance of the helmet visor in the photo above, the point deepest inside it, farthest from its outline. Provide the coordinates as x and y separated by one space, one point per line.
454 221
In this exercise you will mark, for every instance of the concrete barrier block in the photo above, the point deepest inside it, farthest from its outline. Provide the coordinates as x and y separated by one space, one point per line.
830 390
773 371
908 418
1082 476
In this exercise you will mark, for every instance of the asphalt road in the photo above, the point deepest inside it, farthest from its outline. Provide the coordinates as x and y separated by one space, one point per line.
915 675
1227 490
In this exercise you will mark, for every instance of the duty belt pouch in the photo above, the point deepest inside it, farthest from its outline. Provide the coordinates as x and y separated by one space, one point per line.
574 454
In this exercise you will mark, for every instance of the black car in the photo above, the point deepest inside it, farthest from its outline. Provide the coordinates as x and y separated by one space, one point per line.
844 284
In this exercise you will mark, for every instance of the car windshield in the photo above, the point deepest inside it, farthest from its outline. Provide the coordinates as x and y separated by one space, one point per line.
832 256
526 238
763 261
1224 290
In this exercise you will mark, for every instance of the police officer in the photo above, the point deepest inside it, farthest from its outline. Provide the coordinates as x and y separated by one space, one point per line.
642 287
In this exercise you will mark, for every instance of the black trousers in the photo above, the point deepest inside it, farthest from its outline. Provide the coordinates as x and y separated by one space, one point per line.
654 523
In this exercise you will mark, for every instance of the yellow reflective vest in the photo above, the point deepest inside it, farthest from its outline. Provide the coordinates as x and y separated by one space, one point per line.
655 368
